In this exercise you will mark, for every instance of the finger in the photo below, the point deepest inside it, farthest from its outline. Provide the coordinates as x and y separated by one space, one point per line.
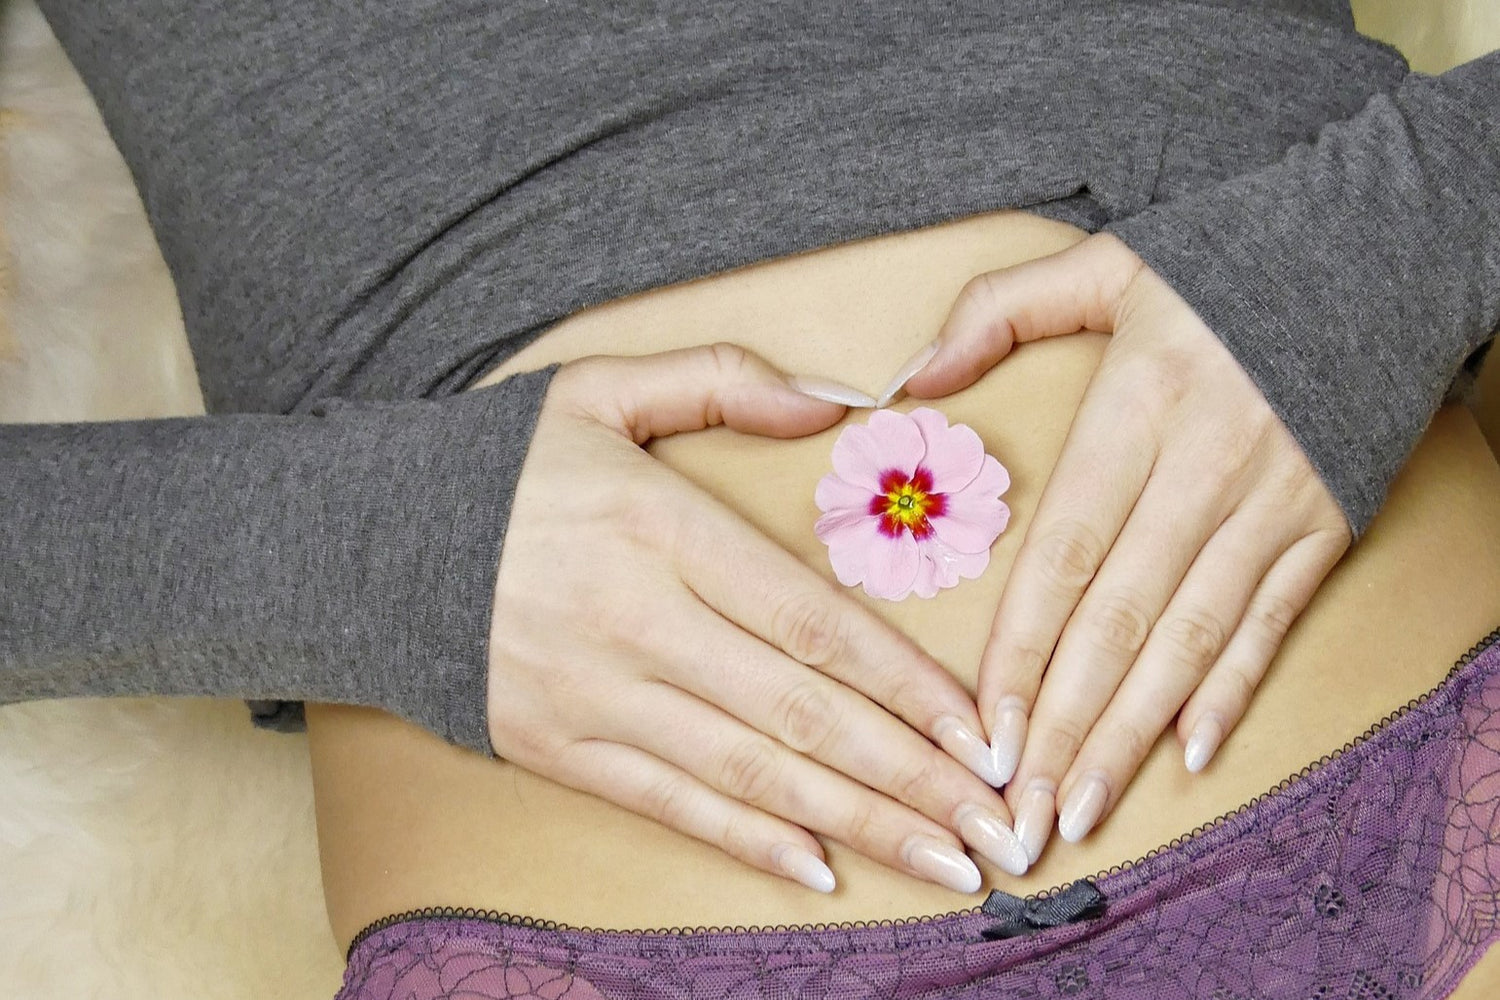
1183 645
693 388
752 768
1178 511
1105 462
1077 289
648 786
766 591
832 724
1216 707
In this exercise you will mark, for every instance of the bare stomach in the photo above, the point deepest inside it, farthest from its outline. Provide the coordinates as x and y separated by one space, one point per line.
405 821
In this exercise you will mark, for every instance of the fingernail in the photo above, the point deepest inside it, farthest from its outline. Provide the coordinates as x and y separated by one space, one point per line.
904 374
1202 745
829 391
942 863
965 746
1084 806
803 866
1007 738
1034 815
984 831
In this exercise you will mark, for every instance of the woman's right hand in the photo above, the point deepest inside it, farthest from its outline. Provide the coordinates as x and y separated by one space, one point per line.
650 647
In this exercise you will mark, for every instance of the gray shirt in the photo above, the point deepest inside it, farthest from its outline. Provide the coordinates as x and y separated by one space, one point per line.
365 206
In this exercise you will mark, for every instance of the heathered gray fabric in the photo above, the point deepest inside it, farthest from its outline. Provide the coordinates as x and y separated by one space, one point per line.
368 201
348 557
1353 278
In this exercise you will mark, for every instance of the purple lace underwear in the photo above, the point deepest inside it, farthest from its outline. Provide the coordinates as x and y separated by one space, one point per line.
1373 875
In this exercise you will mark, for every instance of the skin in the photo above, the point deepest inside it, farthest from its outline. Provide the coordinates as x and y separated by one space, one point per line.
1181 534
404 820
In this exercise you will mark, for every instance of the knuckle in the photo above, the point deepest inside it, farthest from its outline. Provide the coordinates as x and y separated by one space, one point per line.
1061 741
1026 658
1233 448
811 630
1333 535
1274 614
1295 478
739 841
1118 624
916 780
1069 555
650 516
1129 743
982 292
908 695
667 800
523 744
1239 686
616 619
1196 636
749 771
861 827
1150 384
729 360
1172 373
807 718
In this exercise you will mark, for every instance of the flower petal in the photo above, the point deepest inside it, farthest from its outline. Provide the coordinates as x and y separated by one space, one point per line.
943 566
928 581
836 521
890 440
892 567
954 455
974 517
851 541
971 565
835 494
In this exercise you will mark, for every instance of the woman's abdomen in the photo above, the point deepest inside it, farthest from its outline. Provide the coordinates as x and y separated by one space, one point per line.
406 821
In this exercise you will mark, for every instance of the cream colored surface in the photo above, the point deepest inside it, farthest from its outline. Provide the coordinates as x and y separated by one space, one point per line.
163 849
156 849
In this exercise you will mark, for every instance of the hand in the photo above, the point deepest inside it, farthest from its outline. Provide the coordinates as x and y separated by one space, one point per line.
1180 534
650 647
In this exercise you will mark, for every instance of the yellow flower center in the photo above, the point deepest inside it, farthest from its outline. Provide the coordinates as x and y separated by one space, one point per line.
908 505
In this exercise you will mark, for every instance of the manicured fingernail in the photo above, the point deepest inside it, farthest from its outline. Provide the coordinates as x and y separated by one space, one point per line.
943 863
904 374
1007 738
1084 806
1034 815
803 866
829 391
984 831
1202 745
965 746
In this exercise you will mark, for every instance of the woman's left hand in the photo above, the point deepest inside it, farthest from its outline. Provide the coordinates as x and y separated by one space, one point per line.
1179 535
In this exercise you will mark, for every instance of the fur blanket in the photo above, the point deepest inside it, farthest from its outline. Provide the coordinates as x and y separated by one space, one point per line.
148 848
165 849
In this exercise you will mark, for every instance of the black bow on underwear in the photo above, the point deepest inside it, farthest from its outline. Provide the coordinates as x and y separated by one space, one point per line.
1080 901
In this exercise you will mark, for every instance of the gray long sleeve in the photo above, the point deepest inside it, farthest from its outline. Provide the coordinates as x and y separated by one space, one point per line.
1352 279
348 557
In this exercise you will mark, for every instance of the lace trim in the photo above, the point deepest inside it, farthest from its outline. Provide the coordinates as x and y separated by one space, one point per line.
534 923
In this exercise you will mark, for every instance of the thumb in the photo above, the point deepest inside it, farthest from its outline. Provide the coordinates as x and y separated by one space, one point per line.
1077 289
689 389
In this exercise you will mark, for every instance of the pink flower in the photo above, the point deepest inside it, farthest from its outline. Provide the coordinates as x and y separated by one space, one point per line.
912 504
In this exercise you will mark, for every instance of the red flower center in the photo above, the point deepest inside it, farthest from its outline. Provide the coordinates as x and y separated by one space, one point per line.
907 503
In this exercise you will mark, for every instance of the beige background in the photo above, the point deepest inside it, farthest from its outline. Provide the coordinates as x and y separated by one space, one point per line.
163 848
